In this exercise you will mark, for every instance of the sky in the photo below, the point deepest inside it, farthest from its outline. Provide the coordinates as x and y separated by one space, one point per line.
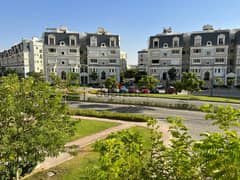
133 20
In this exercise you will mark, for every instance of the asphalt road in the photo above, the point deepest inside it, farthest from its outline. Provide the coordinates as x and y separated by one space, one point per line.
194 120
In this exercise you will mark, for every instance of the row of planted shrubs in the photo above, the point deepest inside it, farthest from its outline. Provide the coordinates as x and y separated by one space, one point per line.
110 115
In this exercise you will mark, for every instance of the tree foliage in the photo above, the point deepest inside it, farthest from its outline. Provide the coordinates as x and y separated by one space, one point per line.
111 82
172 74
190 82
149 82
93 76
32 124
214 156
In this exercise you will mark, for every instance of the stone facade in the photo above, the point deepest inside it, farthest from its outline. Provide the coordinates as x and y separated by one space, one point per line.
24 57
214 55
143 60
82 53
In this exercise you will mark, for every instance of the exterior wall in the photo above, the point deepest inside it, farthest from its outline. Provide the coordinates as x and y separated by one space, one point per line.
103 64
143 60
166 60
206 62
23 58
237 65
123 61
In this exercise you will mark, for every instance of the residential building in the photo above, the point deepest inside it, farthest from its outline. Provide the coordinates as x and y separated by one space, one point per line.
237 62
103 55
143 60
61 52
24 57
213 55
209 54
164 53
123 61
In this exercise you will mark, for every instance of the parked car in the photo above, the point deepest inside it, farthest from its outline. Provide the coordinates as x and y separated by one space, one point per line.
145 91
160 86
114 90
156 91
170 90
133 89
123 89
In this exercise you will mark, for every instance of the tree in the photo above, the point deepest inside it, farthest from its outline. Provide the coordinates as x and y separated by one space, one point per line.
56 80
32 124
111 82
172 74
38 76
93 76
72 79
130 73
149 82
190 82
121 157
214 156
139 75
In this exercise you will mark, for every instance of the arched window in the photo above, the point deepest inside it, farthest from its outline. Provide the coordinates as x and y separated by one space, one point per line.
207 76
93 41
112 42
176 42
197 40
51 39
63 75
62 43
221 39
164 77
72 40
103 75
155 43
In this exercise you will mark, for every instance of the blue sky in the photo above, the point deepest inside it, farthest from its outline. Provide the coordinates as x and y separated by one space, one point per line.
133 20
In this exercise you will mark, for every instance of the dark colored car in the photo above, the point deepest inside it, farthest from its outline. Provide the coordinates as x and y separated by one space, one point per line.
123 89
170 90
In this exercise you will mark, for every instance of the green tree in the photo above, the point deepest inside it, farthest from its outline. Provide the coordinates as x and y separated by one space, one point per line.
172 74
94 76
38 76
149 82
111 82
121 157
72 79
32 124
56 80
190 82
139 75
130 73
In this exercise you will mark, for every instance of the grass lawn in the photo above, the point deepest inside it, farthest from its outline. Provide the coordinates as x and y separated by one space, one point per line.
75 168
88 127
188 97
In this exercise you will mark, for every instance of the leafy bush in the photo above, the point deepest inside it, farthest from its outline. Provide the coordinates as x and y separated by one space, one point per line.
110 115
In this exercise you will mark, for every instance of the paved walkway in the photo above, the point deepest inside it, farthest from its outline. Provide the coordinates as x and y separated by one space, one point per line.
83 142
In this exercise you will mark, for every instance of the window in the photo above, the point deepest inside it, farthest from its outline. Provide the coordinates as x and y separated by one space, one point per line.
62 43
112 42
175 51
164 54
112 70
165 45
52 50
175 41
221 39
103 45
206 76
63 62
113 52
155 43
196 50
220 50
209 43
51 40
93 61
197 41
155 61
112 61
62 52
93 41
219 60
73 50
72 40
208 53
196 61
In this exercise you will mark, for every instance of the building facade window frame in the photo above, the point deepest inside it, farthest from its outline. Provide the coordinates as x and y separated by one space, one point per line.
175 42
51 40
197 40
